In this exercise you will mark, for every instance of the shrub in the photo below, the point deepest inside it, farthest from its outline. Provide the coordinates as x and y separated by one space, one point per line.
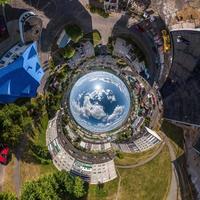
96 37
68 52
119 155
41 151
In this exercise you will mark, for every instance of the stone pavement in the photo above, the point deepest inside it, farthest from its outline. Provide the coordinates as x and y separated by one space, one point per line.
103 25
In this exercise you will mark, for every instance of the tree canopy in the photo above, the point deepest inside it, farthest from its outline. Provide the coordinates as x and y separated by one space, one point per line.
13 121
7 196
58 186
3 2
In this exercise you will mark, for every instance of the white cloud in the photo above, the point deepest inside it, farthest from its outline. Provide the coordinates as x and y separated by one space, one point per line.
85 104
88 109
116 113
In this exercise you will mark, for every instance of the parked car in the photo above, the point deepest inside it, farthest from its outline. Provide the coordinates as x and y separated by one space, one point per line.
4 153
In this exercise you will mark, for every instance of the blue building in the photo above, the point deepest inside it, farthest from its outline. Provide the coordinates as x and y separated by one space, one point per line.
22 77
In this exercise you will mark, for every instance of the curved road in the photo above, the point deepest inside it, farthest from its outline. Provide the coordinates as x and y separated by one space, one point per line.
174 193
143 162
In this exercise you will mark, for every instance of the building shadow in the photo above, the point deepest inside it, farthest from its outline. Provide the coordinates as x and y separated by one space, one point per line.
59 14
181 91
56 13
13 13
187 189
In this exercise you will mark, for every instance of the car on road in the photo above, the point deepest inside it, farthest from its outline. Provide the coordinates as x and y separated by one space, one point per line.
4 153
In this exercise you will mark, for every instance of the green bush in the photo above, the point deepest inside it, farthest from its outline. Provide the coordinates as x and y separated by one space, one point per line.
7 196
119 155
96 37
68 52
41 151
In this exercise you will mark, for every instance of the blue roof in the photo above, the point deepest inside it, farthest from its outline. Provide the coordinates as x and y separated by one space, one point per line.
22 77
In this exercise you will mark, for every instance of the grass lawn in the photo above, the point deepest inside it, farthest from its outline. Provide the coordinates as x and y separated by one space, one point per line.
175 134
8 185
106 192
149 182
134 158
40 136
31 171
30 168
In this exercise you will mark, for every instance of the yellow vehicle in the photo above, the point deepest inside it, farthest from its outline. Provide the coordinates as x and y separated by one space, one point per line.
166 41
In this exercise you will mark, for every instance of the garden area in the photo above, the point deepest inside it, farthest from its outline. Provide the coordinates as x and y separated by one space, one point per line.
134 158
27 142
138 183
56 186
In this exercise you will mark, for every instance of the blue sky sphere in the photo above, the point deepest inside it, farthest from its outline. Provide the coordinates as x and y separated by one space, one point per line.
99 101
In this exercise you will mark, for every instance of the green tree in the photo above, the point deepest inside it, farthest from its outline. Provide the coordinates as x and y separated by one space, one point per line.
57 186
79 190
28 124
29 191
66 182
14 121
7 196
42 189
68 52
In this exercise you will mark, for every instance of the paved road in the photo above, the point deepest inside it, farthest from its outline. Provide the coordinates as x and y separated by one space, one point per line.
181 90
16 169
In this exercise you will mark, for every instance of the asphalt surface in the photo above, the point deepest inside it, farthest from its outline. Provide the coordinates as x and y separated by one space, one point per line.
181 91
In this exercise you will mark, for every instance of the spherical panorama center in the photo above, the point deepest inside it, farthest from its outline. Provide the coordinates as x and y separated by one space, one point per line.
99 101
